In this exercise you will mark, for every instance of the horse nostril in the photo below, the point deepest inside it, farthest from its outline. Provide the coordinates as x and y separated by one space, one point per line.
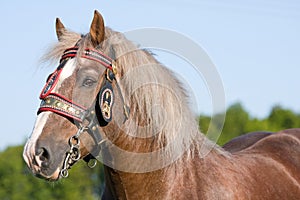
43 155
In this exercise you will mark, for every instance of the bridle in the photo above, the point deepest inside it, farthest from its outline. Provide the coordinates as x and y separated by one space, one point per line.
84 118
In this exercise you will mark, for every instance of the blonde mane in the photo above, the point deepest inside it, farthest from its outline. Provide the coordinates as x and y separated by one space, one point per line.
55 51
157 98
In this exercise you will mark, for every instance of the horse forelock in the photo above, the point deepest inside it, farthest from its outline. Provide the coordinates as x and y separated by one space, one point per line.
55 51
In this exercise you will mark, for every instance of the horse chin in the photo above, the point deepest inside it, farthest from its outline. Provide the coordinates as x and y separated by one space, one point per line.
49 173
53 177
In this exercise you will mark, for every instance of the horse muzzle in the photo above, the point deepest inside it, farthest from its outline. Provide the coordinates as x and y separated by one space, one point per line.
41 162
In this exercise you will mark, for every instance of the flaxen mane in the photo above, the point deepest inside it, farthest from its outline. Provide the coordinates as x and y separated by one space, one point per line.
159 99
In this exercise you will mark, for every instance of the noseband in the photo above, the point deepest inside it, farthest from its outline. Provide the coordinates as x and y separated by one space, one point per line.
84 118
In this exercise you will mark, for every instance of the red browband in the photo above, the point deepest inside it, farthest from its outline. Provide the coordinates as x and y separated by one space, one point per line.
91 54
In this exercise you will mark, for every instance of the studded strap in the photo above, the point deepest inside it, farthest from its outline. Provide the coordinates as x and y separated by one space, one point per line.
63 106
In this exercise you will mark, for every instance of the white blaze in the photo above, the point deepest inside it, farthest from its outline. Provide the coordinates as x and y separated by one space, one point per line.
29 149
42 118
66 73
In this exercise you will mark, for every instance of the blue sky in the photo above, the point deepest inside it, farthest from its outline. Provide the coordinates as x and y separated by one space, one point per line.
254 44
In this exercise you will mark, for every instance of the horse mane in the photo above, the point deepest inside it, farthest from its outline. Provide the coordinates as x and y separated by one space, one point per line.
158 98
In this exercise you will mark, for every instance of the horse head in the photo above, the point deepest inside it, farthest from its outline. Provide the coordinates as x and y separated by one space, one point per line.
77 99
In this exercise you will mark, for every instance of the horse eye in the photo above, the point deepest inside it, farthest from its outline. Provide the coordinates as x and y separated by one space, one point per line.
88 82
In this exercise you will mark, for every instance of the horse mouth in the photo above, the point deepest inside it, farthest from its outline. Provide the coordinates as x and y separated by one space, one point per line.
54 177
42 172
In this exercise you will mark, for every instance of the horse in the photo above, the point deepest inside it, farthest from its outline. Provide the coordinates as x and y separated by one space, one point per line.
110 100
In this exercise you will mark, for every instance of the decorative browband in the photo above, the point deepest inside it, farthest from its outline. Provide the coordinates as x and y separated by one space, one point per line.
91 54
58 104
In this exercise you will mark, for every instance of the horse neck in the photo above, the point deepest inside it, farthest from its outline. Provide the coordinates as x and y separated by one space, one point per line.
190 169
159 115
197 175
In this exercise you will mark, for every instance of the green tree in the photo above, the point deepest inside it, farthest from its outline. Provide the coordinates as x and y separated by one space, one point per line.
235 123
281 118
256 124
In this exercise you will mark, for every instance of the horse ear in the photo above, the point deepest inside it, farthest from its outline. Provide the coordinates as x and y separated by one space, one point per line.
60 29
97 30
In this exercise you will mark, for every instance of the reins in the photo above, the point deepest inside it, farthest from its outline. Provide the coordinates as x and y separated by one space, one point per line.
84 118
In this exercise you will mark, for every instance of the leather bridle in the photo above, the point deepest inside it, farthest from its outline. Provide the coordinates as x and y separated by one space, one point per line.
84 118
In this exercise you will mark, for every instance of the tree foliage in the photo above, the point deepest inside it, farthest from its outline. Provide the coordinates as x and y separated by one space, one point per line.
17 183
